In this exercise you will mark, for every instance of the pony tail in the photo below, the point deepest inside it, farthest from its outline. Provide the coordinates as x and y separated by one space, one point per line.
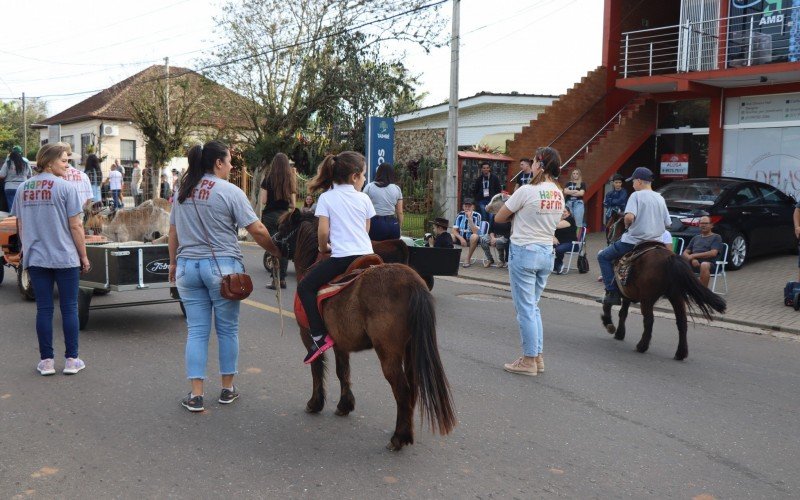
193 174
324 178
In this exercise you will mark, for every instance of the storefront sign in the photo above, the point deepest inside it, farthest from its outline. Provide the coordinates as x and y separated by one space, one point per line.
770 108
674 166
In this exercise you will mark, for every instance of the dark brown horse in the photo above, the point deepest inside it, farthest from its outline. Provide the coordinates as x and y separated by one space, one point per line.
658 273
390 309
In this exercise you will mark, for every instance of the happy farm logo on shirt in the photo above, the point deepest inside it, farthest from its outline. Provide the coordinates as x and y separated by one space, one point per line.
550 201
72 175
38 191
204 191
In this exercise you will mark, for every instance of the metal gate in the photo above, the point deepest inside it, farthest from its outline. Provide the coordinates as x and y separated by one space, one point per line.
698 40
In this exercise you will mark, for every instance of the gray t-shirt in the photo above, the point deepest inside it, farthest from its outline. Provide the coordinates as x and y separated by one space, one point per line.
652 217
44 204
13 179
384 199
702 244
224 209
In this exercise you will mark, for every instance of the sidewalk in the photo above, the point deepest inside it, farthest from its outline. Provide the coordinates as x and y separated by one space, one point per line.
755 292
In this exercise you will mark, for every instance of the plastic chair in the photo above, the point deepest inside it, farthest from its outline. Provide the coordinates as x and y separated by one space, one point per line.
576 249
719 271
677 245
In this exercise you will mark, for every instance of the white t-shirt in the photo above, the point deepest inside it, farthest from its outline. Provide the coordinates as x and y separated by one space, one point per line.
114 180
348 212
538 209
81 182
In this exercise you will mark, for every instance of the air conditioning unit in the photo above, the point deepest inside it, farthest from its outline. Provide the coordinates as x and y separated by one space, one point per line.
110 130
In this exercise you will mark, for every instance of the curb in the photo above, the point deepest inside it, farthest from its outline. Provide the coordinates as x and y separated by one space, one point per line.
718 320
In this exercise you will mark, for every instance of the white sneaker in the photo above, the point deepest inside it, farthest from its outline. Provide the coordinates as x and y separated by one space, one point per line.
46 367
73 366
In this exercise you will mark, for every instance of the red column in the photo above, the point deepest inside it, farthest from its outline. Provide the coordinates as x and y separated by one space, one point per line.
715 134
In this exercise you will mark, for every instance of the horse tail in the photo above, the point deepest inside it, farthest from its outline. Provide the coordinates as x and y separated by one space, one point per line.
684 283
429 384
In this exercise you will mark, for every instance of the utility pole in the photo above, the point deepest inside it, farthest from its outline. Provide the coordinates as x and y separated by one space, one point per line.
451 208
24 129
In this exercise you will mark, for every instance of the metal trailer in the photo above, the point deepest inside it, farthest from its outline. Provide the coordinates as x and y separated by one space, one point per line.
124 268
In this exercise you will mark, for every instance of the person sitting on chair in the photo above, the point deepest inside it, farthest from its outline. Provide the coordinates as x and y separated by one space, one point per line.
497 236
440 238
615 199
466 229
703 250
562 240
646 217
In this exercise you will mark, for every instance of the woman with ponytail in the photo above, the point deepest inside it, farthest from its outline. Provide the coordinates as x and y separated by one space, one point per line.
536 209
344 214
207 213
277 195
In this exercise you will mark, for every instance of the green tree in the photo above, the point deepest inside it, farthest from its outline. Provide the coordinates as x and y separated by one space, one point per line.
312 70
11 124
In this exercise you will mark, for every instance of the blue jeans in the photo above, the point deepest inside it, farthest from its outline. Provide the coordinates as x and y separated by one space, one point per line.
560 250
576 208
198 283
96 192
42 279
116 198
10 193
529 268
384 227
606 258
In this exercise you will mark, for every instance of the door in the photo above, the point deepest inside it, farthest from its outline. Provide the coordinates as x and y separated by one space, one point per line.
778 210
745 213
698 35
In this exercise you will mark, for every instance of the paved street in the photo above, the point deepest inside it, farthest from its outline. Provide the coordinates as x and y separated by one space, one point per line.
602 422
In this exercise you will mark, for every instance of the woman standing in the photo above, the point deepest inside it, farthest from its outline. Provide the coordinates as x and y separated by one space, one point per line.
50 223
114 181
15 171
92 169
573 194
203 247
388 202
536 208
278 193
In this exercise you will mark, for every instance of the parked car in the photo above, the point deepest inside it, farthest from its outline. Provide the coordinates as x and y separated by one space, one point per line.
753 218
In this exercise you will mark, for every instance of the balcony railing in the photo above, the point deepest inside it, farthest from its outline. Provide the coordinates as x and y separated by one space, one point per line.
737 41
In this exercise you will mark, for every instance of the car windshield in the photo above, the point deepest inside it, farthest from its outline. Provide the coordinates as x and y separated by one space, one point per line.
700 192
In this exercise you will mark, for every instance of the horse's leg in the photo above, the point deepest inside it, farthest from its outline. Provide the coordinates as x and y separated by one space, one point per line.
623 316
346 401
679 306
606 318
647 312
392 366
317 400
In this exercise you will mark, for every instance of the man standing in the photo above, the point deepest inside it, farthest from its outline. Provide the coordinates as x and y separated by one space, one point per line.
526 172
646 217
703 250
486 186
136 183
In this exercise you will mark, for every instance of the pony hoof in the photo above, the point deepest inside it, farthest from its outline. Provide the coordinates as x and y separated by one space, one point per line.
680 356
619 337
392 447
341 413
641 348
611 329
313 408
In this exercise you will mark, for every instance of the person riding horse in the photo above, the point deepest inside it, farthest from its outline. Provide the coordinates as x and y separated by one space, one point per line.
646 217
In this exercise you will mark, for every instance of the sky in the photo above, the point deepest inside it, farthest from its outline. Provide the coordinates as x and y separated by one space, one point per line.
528 46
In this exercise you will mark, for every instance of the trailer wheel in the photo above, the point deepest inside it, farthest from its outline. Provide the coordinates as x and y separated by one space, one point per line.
2 270
173 292
428 281
183 309
84 301
24 284
797 301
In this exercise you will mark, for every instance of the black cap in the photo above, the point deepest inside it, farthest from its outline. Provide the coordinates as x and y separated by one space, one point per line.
441 222
618 177
641 173
468 200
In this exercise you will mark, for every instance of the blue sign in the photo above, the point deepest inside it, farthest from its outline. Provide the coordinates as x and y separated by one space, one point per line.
379 143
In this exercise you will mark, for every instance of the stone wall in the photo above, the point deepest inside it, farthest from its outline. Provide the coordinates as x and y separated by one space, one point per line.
412 145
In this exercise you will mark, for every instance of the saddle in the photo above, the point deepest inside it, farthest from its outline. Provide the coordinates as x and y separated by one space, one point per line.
624 266
336 285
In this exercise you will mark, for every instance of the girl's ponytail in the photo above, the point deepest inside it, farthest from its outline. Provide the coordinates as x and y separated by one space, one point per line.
324 178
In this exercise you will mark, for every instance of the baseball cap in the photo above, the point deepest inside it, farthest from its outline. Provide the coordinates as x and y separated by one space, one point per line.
17 149
641 173
467 201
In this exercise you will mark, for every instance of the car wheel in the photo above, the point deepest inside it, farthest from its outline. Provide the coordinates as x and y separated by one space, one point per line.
24 283
2 270
737 253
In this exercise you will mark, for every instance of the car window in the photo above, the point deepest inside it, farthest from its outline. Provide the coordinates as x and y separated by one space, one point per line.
745 196
771 195
704 192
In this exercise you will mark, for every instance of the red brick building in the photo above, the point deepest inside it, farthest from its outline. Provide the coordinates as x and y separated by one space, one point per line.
688 88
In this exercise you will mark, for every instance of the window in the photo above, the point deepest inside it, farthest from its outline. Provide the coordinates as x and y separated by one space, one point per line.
69 139
86 141
127 153
745 196
771 195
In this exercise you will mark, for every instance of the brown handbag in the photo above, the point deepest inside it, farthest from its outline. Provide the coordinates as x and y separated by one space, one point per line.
236 286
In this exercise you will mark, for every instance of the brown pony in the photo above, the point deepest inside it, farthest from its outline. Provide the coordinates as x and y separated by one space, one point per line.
390 309
658 273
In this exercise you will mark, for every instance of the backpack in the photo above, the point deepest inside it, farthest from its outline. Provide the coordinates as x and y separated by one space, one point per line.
791 295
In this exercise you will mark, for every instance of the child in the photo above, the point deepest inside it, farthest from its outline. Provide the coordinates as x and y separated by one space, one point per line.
344 213
441 238
615 199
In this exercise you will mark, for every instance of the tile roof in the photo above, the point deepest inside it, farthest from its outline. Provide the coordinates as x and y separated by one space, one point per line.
113 103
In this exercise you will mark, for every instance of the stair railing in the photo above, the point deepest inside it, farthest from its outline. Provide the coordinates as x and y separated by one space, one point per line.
617 117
